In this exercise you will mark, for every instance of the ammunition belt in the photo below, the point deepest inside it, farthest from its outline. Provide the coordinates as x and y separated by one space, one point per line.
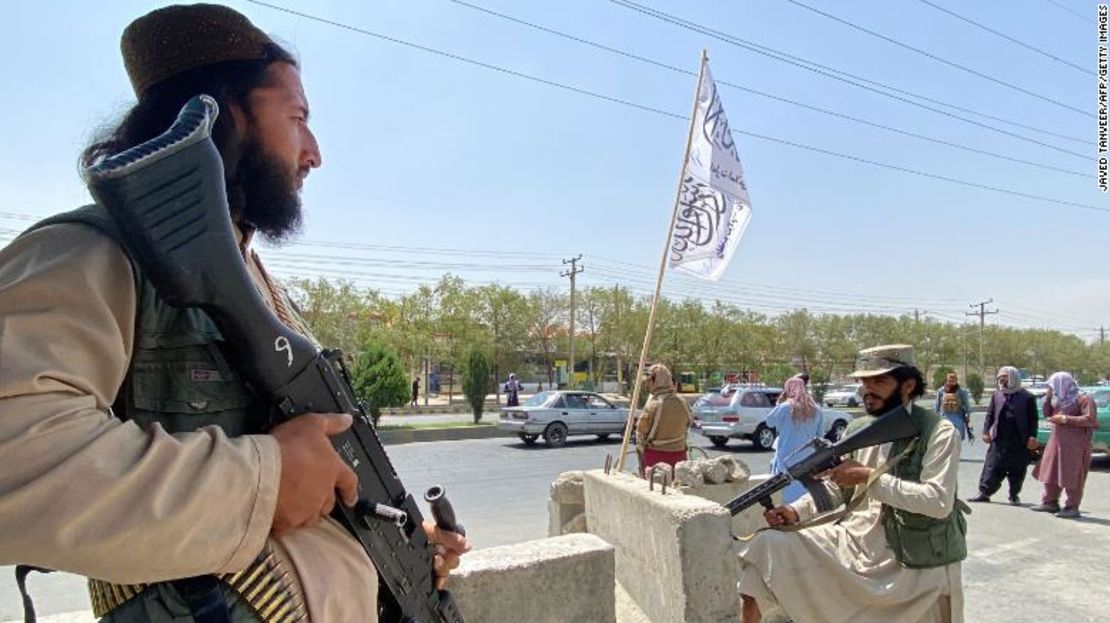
265 586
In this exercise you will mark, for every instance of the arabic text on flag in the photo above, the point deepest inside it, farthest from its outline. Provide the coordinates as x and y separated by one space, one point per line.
714 207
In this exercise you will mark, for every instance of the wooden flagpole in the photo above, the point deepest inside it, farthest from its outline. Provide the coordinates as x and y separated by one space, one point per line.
662 269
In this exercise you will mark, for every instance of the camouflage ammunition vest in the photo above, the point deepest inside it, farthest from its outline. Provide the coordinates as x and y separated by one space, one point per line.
919 541
179 378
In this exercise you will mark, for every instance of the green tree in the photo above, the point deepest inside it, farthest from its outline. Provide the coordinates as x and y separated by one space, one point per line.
975 386
476 382
504 317
940 374
547 310
379 379
819 382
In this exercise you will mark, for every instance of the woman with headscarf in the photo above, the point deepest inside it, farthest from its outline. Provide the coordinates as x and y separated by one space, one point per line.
1067 456
797 420
512 391
1010 429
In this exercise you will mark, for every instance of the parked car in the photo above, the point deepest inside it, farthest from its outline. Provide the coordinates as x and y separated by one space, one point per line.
847 396
557 415
1038 389
1101 440
743 415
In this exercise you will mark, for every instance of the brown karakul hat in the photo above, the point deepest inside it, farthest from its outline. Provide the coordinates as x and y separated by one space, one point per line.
175 39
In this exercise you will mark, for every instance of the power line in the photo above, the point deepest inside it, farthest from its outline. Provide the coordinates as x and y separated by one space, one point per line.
1041 312
684 118
691 283
853 79
410 264
763 94
428 250
1006 37
1069 10
939 59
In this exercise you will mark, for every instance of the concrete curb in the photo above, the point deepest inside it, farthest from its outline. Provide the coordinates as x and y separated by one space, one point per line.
391 437
435 410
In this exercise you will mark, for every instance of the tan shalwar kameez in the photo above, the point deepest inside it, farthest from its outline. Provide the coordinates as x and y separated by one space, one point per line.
841 572
84 492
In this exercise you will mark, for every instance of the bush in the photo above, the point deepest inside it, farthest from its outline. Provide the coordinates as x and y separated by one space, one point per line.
819 385
379 380
975 386
476 382
940 374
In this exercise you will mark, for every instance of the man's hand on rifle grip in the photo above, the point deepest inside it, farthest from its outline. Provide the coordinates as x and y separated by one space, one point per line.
781 516
448 547
311 470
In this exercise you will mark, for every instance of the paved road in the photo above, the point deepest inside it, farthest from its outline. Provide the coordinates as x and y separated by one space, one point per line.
1023 566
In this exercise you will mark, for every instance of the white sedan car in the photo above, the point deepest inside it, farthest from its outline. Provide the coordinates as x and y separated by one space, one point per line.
558 414
743 414
847 396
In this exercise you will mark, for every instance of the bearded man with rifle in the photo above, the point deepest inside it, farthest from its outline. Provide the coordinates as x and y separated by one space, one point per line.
893 552
167 427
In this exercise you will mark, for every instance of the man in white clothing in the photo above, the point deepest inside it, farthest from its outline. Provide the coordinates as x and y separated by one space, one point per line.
894 556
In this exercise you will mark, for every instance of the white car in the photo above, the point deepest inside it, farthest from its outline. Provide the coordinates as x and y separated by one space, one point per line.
743 415
557 414
847 396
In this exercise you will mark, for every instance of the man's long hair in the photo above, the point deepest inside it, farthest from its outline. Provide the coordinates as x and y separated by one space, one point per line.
157 108
905 373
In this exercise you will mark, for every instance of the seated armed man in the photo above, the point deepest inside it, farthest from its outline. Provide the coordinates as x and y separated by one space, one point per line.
893 556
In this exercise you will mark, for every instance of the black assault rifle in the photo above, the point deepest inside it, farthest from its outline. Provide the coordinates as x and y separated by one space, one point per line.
891 426
168 199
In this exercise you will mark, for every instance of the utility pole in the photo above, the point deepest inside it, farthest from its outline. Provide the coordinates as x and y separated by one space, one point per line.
1101 335
982 313
572 273
616 331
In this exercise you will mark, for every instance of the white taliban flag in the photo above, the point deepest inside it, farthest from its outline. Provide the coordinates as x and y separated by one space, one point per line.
713 205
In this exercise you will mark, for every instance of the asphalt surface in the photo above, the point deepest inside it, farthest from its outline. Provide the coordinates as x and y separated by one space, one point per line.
1022 566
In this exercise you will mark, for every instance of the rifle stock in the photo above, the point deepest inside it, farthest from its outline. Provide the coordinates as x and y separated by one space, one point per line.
167 197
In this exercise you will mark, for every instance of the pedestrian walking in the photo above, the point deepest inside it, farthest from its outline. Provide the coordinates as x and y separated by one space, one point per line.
415 392
954 402
512 391
797 420
1010 428
1067 456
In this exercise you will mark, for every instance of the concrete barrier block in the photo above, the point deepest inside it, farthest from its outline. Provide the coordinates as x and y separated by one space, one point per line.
567 506
567 488
566 578
746 522
673 552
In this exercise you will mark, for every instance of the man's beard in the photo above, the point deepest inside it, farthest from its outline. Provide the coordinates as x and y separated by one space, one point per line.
892 401
263 194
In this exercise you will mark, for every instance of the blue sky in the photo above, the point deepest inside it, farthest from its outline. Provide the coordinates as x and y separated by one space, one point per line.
502 177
